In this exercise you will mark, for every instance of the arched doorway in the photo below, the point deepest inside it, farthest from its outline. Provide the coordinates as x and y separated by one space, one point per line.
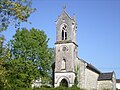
64 83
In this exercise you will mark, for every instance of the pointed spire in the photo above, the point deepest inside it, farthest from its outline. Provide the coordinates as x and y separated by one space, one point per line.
64 14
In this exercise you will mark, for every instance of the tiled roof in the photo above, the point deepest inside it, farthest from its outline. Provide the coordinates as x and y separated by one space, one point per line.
117 80
91 67
105 76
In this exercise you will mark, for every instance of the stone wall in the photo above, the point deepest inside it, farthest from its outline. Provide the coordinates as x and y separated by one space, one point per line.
118 85
105 84
64 51
65 19
68 76
91 79
68 55
81 73
114 81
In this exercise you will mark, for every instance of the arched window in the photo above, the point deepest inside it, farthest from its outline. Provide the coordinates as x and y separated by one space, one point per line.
64 32
63 64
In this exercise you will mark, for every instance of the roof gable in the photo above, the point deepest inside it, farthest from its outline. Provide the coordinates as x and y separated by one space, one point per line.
64 15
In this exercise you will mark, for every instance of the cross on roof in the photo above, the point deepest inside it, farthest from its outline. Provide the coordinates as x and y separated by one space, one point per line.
64 7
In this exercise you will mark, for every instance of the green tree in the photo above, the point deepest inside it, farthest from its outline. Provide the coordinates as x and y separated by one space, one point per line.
2 73
4 54
13 12
30 58
49 79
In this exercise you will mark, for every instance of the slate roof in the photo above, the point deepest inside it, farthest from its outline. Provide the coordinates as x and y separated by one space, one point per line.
105 76
117 80
91 67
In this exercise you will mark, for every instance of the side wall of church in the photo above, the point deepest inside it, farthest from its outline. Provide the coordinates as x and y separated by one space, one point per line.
91 79
118 85
87 79
81 73
106 84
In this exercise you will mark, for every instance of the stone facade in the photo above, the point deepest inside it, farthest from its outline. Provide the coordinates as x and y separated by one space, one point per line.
87 75
67 63
81 73
91 79
69 77
65 50
118 84
106 84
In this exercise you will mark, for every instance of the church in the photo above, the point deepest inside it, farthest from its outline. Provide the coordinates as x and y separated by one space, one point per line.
69 69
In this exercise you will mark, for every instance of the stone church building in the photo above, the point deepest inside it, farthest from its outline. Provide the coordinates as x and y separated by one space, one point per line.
69 68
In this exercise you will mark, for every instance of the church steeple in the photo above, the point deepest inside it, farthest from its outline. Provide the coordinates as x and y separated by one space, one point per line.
66 28
65 50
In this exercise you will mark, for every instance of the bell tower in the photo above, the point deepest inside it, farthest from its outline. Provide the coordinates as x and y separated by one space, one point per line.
65 50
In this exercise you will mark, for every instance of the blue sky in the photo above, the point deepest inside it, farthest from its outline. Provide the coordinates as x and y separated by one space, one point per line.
98 28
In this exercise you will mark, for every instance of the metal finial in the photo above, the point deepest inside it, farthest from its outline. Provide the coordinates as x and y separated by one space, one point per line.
64 7
74 16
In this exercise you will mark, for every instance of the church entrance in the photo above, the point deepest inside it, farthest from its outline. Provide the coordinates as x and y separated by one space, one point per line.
64 83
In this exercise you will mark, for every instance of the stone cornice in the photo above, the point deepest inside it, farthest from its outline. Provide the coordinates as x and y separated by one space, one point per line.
65 41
